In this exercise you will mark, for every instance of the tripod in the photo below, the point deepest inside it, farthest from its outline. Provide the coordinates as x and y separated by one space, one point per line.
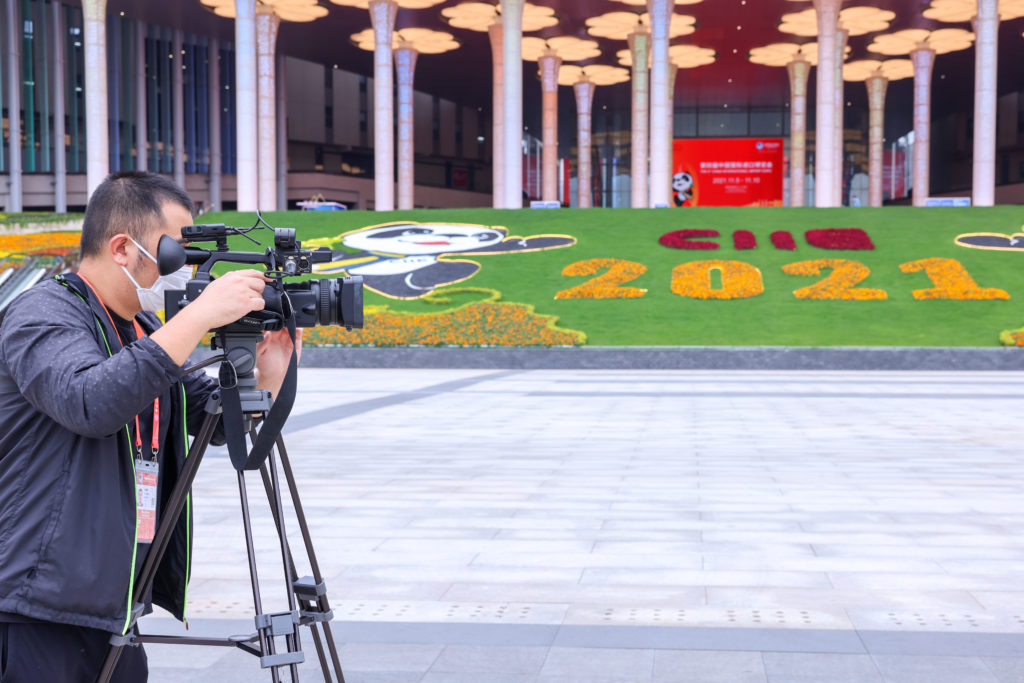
307 595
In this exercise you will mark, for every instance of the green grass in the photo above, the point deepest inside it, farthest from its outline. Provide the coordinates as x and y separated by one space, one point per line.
775 317
37 217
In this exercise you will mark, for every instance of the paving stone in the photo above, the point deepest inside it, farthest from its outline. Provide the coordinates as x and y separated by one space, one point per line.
791 667
752 511
592 664
490 660
708 667
917 669
1006 669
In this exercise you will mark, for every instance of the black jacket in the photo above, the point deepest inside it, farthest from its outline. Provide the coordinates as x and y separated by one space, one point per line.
67 483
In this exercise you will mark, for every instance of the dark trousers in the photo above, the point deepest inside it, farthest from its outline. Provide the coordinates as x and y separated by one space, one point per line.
37 652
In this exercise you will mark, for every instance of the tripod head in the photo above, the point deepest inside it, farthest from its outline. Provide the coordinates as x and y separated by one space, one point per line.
240 351
239 399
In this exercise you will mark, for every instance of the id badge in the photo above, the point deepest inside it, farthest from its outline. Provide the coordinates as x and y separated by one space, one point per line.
146 475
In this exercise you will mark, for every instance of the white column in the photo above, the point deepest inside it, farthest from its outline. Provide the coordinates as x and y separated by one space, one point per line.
584 116
382 15
799 70
876 86
97 137
282 135
549 66
661 108
924 60
842 36
267 23
60 157
512 64
639 46
141 124
497 115
213 77
825 109
405 66
246 138
986 29
178 108
673 70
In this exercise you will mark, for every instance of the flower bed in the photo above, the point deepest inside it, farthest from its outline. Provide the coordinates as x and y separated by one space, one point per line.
681 239
60 243
783 239
849 239
839 285
605 285
739 280
481 323
951 280
743 240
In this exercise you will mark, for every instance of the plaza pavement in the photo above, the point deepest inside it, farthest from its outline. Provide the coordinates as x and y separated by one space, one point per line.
699 526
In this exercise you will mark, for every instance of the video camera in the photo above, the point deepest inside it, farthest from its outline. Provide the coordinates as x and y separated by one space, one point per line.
288 306
337 301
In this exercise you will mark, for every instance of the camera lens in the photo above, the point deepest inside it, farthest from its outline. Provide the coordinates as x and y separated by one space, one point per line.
339 301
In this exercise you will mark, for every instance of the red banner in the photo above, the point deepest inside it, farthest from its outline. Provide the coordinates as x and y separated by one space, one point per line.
727 172
893 163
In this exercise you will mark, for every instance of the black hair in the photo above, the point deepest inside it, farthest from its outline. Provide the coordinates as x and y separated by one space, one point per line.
130 202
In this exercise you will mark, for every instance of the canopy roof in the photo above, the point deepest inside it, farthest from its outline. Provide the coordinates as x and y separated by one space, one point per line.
728 29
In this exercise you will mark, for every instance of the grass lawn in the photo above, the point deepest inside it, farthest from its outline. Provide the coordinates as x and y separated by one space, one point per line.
36 218
775 317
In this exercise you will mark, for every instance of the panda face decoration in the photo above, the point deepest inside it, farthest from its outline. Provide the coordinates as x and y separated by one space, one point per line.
681 182
423 239
410 260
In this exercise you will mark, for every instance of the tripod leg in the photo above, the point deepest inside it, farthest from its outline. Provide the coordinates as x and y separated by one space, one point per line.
266 644
273 490
294 641
270 487
322 603
175 504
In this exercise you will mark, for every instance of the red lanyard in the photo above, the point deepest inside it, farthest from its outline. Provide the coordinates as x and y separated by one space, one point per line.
155 441
140 333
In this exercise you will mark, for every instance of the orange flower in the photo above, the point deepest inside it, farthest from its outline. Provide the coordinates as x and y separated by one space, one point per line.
739 280
482 323
60 242
604 286
839 286
951 280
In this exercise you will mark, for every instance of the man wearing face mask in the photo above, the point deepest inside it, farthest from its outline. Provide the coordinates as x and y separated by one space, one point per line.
96 415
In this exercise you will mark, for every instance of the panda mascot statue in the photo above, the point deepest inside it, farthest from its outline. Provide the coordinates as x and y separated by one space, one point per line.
682 188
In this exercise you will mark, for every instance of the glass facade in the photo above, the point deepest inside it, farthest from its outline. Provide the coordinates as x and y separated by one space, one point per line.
126 67
74 89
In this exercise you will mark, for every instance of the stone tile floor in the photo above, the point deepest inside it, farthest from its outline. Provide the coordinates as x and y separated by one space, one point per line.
483 525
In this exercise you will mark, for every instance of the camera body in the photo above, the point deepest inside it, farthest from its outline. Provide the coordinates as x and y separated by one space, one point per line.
335 301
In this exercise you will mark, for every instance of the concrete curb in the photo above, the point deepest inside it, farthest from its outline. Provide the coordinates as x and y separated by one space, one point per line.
671 358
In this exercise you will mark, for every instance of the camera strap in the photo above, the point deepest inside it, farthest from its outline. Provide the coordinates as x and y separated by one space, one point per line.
234 430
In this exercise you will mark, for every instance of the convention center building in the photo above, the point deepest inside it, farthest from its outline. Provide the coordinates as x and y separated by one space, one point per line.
400 104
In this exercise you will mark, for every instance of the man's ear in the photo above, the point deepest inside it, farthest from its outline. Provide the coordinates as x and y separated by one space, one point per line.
118 248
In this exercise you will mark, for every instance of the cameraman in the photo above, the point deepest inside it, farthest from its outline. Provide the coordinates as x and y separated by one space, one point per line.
93 402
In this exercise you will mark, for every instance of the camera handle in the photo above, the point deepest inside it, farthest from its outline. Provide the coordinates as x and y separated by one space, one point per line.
307 596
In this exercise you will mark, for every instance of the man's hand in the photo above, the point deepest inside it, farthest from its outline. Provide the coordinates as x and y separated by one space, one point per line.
272 357
229 297
224 301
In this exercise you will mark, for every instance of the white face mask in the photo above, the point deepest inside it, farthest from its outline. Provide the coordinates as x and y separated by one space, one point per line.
152 298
